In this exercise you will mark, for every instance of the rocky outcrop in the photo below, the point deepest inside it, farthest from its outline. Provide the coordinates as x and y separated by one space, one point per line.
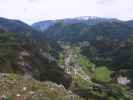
15 87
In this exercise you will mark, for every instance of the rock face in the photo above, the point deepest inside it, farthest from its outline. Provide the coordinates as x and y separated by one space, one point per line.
123 80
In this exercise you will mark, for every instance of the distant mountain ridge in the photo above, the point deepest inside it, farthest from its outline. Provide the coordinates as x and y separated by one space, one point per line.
14 25
83 32
85 29
130 23
89 20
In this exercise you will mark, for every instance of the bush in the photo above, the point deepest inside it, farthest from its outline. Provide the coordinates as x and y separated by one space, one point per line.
102 74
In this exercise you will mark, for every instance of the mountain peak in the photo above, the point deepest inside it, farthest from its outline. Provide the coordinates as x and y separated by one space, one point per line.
87 17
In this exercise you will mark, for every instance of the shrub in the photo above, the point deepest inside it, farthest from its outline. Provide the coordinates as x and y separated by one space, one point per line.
102 74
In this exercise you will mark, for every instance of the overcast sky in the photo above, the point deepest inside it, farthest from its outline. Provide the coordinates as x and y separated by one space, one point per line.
36 10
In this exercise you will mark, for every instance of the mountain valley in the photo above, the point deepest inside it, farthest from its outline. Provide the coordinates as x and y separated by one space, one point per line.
84 58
